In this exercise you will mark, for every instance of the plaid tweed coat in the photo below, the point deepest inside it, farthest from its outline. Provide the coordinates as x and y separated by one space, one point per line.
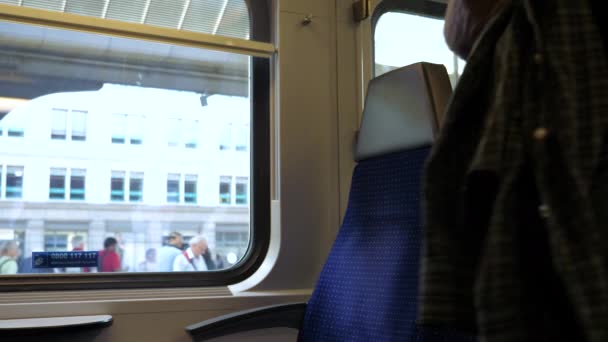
516 188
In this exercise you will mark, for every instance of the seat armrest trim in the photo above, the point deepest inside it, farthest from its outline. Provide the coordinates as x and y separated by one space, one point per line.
276 316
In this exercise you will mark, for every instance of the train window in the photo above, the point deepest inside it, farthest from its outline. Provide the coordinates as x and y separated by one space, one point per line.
109 142
402 38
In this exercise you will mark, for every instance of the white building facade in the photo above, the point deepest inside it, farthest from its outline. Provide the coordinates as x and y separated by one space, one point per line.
129 162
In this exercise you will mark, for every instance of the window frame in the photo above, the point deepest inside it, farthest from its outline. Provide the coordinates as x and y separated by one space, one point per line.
425 8
261 60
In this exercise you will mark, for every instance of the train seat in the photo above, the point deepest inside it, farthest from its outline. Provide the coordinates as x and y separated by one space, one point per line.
368 288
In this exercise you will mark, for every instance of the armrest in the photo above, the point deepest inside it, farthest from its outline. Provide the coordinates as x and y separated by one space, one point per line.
277 316
77 328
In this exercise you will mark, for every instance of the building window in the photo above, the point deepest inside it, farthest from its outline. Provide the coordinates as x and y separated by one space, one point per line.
136 129
57 184
191 131
79 125
77 182
12 132
174 132
409 29
14 182
226 138
225 190
59 124
58 187
15 132
183 132
190 191
117 187
62 240
119 128
242 138
236 135
63 121
173 180
242 189
136 186
55 242
127 128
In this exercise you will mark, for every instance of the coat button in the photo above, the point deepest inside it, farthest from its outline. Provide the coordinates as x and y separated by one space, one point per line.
544 211
541 133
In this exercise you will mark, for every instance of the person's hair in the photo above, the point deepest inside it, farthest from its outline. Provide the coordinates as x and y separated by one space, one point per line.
77 240
174 235
196 239
7 246
110 242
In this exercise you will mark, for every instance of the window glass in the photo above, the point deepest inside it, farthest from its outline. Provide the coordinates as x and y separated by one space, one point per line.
79 125
14 182
190 190
55 242
15 132
402 39
230 240
57 183
173 181
226 137
191 130
10 125
119 128
95 120
226 190
241 190
136 187
174 131
117 190
77 181
242 138
58 126
136 129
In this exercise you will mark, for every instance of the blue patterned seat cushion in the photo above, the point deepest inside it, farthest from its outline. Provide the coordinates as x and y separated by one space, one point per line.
368 288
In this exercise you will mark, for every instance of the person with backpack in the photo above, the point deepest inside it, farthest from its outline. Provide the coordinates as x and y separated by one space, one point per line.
196 258
9 252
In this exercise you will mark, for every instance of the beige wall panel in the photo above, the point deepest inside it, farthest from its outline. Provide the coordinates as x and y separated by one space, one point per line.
318 8
309 146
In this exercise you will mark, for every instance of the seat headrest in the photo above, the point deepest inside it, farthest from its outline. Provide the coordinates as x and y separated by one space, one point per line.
403 109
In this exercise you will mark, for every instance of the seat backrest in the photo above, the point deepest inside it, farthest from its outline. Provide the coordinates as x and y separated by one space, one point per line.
403 109
368 288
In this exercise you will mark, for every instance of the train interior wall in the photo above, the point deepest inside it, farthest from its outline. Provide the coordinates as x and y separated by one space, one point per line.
317 97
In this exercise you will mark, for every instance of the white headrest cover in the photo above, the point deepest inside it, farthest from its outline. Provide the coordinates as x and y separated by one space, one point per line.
403 109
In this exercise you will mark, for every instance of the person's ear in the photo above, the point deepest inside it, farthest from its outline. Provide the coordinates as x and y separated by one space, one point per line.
465 20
